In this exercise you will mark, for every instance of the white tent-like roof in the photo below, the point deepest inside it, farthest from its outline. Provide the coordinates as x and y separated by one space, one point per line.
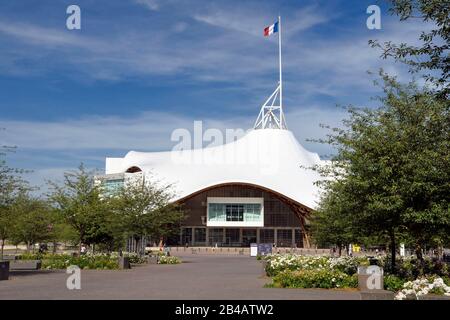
269 158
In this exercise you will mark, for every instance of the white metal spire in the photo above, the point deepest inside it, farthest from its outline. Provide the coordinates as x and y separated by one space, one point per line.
271 115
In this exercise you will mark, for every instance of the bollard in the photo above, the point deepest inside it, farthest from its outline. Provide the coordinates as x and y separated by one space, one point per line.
4 270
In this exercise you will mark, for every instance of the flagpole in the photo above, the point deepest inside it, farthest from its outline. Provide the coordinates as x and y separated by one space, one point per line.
281 79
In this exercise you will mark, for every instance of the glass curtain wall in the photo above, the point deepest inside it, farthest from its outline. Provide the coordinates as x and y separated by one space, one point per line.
284 237
215 236
200 236
234 212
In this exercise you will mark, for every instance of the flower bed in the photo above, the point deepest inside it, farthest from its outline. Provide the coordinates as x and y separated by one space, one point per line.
323 278
135 258
103 261
421 287
169 260
62 261
297 271
278 263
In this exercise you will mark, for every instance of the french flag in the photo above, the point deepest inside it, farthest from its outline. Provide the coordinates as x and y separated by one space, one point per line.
271 29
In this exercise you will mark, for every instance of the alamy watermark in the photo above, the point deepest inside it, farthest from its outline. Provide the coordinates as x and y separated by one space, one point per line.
214 147
73 281
374 20
73 21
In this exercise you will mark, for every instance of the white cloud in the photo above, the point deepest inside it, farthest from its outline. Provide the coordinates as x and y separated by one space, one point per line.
149 131
52 148
234 53
306 18
150 4
253 19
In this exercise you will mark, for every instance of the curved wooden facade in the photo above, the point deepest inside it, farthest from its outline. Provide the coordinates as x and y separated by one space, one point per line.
284 218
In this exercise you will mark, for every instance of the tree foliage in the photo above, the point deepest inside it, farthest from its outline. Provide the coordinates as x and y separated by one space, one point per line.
78 201
33 220
99 216
145 209
432 56
391 173
11 185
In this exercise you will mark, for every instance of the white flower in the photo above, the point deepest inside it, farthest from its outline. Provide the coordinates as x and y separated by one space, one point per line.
400 296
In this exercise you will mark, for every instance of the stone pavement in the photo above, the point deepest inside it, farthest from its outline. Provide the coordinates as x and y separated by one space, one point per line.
214 277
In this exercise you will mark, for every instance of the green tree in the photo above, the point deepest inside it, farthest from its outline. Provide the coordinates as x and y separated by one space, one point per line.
79 202
332 225
10 186
392 168
33 221
432 55
145 209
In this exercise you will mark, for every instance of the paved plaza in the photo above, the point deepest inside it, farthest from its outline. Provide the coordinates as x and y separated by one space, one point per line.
198 277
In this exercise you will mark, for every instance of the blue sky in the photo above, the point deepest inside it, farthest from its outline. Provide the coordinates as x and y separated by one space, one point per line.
139 69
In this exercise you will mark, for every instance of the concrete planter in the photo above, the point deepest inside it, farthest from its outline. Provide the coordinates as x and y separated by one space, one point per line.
124 263
152 260
4 270
25 265
377 295
9 257
433 297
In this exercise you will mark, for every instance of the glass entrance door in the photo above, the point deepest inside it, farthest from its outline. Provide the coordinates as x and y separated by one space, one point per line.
248 236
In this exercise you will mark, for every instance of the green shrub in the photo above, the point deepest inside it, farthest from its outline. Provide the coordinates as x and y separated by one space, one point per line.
411 268
30 256
62 261
393 283
326 279
88 261
135 258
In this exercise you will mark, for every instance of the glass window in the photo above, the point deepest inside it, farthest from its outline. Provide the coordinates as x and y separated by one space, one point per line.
266 236
252 212
216 212
200 235
186 235
298 238
248 236
112 186
215 236
284 237
234 212
232 236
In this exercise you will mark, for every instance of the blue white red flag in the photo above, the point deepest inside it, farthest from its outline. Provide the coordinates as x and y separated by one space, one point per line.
271 29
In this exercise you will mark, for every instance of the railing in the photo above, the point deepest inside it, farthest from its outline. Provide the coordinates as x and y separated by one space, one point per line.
245 250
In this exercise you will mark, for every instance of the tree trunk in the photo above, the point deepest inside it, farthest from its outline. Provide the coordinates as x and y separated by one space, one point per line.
393 252
1 251
419 254
135 247
81 243
418 250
